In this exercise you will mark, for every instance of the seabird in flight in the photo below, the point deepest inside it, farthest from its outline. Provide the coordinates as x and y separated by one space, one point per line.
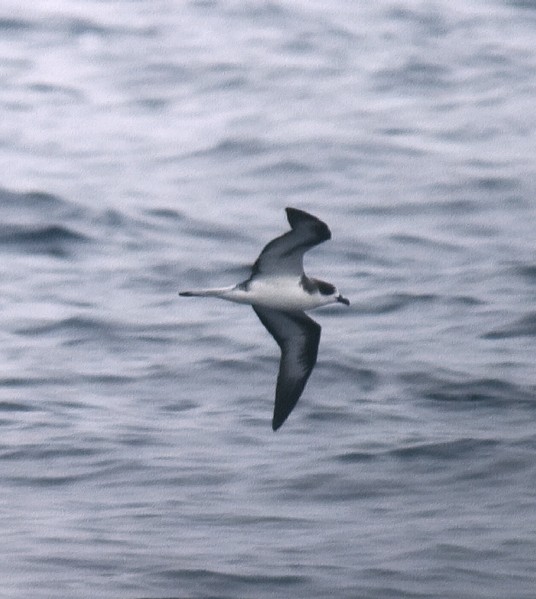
280 292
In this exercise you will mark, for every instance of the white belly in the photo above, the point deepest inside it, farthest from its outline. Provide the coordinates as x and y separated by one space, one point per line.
280 294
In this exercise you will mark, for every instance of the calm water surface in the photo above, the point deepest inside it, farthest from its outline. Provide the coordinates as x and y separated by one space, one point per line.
151 146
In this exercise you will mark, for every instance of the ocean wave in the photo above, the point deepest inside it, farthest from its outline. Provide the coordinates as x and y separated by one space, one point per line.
39 222
339 369
523 327
14 25
221 579
47 234
445 450
36 202
412 76
15 406
234 147
80 325
284 168
394 302
53 240
528 271
483 391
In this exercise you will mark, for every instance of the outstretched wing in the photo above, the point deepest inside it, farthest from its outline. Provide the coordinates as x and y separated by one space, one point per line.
284 254
298 337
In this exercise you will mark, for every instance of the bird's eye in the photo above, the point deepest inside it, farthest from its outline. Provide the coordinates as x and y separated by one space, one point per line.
325 288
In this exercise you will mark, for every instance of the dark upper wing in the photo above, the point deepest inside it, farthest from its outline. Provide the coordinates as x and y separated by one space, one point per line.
284 254
298 337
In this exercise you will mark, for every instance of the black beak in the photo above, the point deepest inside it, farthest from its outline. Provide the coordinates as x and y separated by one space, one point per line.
343 300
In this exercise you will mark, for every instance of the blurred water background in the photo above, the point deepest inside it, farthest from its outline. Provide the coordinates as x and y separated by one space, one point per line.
150 146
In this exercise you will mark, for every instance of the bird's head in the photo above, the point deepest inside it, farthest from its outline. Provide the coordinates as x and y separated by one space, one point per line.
331 293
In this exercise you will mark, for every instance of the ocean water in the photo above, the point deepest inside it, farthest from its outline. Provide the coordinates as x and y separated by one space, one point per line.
150 146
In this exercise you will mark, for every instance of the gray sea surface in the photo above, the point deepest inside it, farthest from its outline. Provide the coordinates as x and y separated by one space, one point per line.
151 146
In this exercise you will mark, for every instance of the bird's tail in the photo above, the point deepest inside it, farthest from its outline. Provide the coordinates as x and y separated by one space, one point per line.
218 292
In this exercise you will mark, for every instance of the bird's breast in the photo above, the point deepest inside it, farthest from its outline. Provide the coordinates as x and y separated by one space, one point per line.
282 294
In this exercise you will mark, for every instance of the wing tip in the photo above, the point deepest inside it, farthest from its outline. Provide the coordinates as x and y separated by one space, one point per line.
295 216
277 423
